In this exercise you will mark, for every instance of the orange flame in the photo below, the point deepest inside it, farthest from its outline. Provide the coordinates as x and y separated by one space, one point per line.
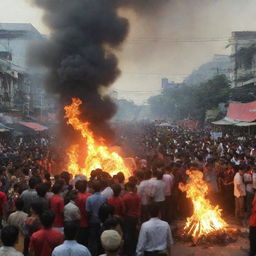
98 154
206 218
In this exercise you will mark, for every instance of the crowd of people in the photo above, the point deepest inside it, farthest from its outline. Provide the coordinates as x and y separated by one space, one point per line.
45 211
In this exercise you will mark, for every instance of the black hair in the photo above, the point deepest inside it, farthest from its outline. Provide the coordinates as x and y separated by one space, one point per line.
32 182
70 230
9 235
37 207
116 189
42 189
105 211
57 187
96 185
47 218
154 209
19 204
81 185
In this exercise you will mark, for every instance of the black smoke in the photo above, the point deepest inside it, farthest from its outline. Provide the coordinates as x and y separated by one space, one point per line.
79 55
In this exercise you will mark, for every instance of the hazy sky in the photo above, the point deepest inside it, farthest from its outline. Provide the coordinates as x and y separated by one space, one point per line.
163 45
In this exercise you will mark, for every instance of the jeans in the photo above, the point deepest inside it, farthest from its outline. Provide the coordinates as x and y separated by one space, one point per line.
83 236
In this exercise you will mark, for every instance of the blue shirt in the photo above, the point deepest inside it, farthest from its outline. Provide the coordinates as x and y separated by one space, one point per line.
93 204
71 248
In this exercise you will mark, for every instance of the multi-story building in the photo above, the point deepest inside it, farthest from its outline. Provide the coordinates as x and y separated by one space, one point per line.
20 87
243 45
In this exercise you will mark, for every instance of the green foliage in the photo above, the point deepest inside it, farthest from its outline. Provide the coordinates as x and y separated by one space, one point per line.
190 101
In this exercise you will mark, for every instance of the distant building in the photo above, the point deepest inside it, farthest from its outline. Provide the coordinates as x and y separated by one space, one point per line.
20 87
243 45
168 85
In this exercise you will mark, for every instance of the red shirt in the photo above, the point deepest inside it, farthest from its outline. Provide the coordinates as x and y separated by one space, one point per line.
44 241
253 213
118 205
57 206
132 205
81 203
3 200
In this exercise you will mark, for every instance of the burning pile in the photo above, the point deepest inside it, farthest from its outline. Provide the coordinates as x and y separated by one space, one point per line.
206 218
97 154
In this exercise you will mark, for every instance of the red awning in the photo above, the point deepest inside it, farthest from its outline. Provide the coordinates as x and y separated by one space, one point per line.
245 112
34 126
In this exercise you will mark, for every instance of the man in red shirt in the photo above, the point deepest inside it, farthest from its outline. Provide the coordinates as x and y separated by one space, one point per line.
3 201
46 239
116 201
83 233
132 210
252 233
56 203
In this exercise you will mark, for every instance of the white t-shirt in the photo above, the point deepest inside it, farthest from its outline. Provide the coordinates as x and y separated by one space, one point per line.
238 180
157 190
168 179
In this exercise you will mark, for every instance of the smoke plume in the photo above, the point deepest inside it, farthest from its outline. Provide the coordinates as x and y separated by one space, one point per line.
79 55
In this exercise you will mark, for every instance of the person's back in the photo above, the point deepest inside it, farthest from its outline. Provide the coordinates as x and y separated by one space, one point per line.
56 203
70 247
29 195
155 236
71 211
116 201
9 237
46 239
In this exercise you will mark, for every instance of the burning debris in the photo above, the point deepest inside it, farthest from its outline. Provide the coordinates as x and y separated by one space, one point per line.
97 154
206 220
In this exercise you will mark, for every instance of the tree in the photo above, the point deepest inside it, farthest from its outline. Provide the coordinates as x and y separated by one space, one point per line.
187 101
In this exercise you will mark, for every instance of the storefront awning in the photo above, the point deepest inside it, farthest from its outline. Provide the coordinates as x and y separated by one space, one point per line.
34 126
225 121
243 112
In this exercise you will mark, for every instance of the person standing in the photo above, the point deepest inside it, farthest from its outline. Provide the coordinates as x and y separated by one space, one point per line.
83 234
239 193
93 204
46 239
157 190
71 247
9 237
168 179
56 203
155 238
18 219
71 211
143 192
249 190
116 201
132 211
29 195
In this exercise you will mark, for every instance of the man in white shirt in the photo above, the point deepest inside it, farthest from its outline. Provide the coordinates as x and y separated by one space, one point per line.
71 211
155 238
239 193
70 247
143 192
157 190
168 179
9 237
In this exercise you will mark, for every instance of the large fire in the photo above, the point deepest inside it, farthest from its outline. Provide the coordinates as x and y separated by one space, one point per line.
206 218
97 154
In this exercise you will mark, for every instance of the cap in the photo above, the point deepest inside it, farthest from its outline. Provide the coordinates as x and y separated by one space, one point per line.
111 240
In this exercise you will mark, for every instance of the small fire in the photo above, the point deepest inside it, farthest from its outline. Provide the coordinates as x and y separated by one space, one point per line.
97 153
206 218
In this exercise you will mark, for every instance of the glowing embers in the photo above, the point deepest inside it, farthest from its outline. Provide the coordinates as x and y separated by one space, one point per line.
206 218
96 153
